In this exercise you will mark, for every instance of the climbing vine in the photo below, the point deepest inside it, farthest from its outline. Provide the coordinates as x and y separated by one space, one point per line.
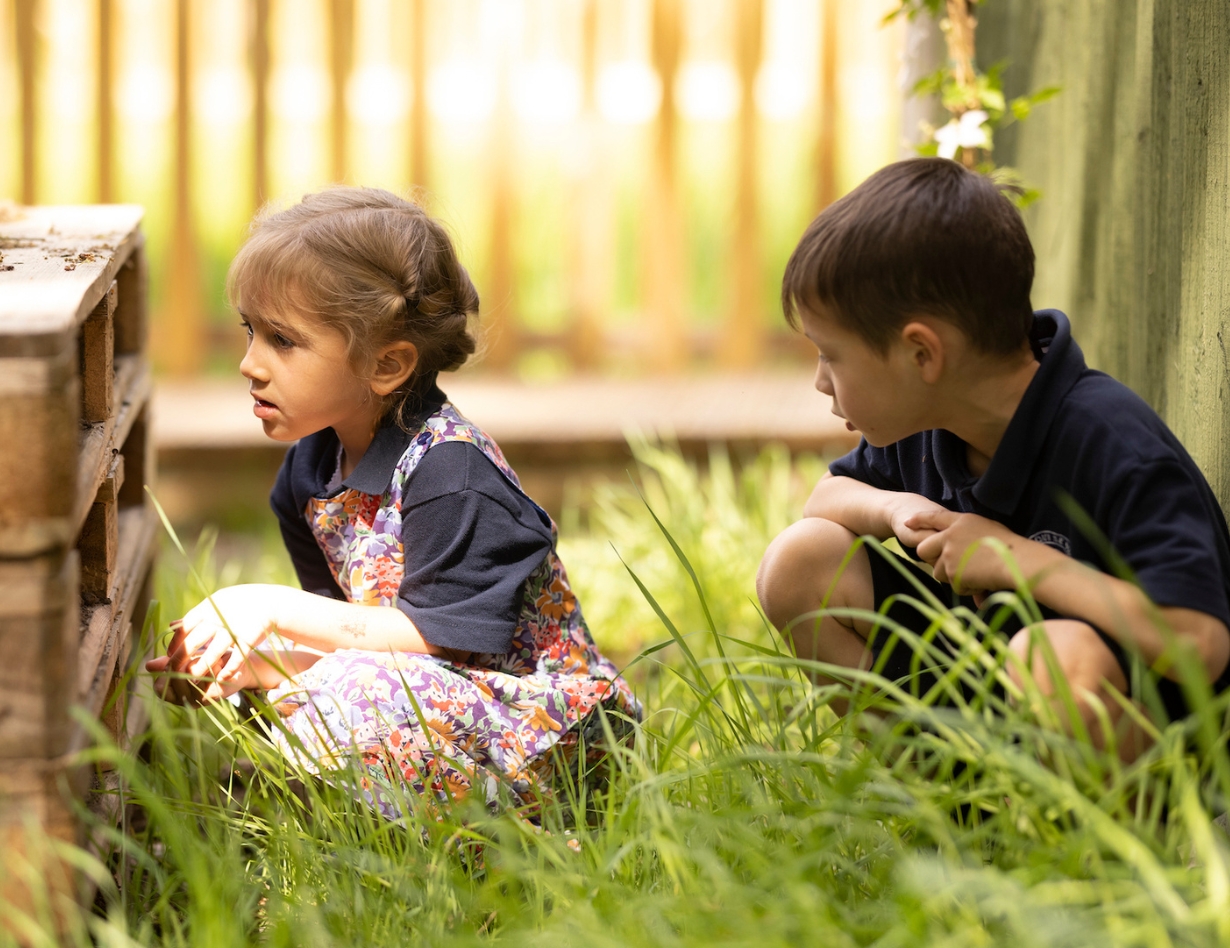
974 99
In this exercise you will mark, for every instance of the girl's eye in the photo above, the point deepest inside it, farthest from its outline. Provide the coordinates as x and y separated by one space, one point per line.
281 341
247 328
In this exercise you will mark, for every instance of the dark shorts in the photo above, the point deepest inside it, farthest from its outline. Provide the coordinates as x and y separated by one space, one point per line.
898 661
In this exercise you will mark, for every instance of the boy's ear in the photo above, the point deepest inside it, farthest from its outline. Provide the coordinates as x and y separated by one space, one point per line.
926 349
394 365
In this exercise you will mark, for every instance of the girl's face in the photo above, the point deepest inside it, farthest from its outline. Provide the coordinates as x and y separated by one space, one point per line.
299 373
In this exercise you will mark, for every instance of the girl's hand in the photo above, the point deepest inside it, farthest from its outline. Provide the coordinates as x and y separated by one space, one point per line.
177 687
951 536
220 632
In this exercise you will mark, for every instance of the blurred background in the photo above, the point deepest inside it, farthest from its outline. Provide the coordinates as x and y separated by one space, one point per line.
625 180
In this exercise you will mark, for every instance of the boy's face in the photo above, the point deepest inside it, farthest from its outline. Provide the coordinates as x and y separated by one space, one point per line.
881 396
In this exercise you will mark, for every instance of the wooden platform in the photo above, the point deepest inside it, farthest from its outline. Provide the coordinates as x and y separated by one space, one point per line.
216 465
752 409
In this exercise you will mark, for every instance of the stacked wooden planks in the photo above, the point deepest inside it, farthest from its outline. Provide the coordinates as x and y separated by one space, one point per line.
76 529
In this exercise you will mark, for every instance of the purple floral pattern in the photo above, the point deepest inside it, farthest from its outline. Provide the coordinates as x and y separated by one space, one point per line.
441 726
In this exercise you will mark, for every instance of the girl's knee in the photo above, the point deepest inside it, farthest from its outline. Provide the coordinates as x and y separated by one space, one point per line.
800 565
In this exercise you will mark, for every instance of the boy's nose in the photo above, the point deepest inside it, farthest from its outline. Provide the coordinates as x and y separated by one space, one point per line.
824 385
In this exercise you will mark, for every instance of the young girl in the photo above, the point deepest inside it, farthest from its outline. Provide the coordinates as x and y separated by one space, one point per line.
432 593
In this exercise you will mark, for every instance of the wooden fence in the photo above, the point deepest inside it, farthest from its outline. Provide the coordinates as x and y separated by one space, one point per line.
1133 161
775 171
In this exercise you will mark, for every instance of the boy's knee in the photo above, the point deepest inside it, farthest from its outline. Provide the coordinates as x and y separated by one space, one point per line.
799 567
1085 660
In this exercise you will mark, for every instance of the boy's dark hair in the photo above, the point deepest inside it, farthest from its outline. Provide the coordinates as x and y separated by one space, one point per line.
924 235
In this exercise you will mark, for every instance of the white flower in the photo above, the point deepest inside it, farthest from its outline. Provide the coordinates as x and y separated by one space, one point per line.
967 132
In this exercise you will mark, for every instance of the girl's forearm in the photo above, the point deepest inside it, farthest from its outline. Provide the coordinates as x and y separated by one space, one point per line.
331 624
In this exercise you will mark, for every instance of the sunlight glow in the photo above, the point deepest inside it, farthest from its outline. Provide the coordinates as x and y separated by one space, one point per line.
547 91
378 94
707 91
629 92
145 93
222 96
462 91
782 91
300 93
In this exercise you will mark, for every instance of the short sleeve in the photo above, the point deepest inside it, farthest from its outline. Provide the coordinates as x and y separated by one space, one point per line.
471 541
1164 525
878 467
305 553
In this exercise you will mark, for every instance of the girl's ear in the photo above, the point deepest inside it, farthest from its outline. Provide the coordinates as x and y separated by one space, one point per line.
926 349
394 365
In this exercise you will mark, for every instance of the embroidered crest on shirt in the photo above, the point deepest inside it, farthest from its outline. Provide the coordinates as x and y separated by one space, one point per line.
1054 540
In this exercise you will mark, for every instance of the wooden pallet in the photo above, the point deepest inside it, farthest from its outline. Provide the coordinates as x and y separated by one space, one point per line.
77 533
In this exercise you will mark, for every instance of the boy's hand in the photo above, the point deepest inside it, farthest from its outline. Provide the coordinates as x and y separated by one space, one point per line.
950 535
904 514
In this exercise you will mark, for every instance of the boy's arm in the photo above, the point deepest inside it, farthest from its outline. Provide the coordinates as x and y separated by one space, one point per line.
1120 609
868 511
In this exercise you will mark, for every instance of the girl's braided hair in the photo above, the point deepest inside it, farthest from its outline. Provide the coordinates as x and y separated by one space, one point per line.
371 265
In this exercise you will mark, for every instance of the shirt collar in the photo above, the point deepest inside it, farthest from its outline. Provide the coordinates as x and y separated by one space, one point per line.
374 472
1061 365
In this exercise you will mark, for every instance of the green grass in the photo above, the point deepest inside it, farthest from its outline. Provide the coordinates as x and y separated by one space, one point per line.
745 812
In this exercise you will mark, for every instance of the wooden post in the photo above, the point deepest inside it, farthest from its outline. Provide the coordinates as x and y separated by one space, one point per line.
591 213
260 102
742 342
826 144
106 110
182 328
419 170
27 66
665 272
341 58
501 306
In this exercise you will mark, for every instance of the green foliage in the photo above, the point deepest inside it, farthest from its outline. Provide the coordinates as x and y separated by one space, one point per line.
745 812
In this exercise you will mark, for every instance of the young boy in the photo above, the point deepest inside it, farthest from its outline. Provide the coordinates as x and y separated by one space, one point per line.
979 417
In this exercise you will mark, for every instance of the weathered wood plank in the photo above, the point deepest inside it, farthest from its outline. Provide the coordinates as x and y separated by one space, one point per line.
97 350
38 652
39 406
100 538
55 265
132 316
104 627
98 443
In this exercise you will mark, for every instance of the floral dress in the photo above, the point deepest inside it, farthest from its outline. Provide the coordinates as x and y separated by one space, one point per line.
496 721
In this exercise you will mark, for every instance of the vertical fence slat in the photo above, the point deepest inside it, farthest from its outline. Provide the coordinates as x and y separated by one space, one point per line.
419 172
260 102
27 63
826 141
742 342
341 56
503 335
106 110
665 266
182 323
591 217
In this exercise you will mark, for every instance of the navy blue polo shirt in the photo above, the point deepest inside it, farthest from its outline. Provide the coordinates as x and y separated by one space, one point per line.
1079 433
476 538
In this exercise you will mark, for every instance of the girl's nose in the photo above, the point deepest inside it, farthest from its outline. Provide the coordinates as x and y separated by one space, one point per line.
250 366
